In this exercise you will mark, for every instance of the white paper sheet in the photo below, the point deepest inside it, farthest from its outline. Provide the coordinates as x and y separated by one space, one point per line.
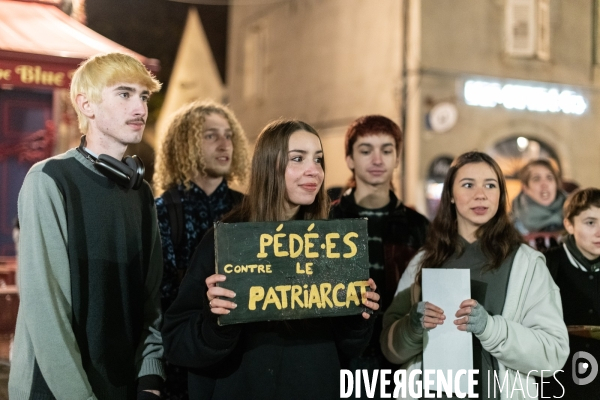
445 347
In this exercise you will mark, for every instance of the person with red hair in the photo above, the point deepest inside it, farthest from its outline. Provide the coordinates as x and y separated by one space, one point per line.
396 232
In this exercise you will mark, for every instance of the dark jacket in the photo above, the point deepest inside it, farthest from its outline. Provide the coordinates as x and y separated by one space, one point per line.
403 237
580 297
264 360
191 213
184 216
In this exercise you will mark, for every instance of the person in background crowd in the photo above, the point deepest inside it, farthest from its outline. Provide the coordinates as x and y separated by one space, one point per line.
204 149
90 261
515 311
396 232
575 267
538 207
334 192
569 186
16 231
295 359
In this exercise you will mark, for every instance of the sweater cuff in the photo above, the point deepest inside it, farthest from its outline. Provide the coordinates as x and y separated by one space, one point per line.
152 366
411 334
358 323
215 335
489 329
150 382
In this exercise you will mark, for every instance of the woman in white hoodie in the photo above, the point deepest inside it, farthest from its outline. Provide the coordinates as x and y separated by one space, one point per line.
515 314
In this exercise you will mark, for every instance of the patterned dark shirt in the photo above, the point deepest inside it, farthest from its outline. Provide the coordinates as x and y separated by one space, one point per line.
199 213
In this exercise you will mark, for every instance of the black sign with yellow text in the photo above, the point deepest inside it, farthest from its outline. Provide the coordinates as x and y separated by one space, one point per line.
293 269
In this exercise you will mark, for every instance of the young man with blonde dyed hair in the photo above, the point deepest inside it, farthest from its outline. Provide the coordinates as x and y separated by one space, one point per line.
204 149
90 260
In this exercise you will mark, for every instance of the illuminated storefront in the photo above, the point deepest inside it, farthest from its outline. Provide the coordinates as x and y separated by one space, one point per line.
513 120
40 47
512 96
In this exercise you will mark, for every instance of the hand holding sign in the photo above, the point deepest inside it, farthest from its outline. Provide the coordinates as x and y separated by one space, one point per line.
370 299
291 270
217 305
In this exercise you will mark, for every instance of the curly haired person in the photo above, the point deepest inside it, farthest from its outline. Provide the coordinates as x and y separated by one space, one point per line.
204 149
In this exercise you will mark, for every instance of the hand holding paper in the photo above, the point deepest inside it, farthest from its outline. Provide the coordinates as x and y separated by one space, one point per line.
472 317
424 315
446 347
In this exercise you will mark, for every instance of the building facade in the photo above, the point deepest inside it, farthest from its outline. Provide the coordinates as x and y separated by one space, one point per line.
515 78
40 48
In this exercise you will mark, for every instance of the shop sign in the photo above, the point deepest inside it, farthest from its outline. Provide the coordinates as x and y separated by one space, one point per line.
31 74
293 269
524 97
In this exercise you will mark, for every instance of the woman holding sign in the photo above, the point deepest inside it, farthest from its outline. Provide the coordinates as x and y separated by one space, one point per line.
297 359
515 311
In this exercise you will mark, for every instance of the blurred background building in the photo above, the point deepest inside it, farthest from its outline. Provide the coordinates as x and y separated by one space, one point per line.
514 78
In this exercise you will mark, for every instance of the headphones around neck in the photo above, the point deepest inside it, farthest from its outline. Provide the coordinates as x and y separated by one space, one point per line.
128 173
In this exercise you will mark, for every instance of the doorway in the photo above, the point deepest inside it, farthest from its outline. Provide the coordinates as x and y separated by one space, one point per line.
26 137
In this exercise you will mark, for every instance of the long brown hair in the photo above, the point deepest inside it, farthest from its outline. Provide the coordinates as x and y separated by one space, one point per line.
498 237
266 197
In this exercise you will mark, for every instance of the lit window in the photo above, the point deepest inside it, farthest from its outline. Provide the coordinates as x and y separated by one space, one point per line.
527 28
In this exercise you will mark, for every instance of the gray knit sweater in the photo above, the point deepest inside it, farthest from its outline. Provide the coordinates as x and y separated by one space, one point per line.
90 266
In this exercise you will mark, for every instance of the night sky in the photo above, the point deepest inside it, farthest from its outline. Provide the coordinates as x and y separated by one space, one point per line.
153 28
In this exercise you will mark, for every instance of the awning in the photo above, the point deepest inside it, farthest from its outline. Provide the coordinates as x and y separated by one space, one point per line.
40 46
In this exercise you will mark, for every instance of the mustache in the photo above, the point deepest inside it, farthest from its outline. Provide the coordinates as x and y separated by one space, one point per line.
139 119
